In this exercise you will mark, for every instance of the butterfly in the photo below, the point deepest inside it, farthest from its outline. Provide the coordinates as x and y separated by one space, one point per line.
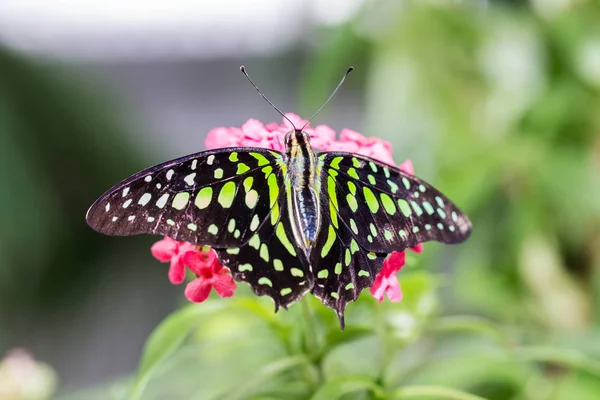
289 222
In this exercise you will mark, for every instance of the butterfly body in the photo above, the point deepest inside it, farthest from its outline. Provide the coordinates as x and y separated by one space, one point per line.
286 223
301 166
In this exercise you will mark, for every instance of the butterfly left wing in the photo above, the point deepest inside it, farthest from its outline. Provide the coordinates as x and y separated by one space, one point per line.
213 198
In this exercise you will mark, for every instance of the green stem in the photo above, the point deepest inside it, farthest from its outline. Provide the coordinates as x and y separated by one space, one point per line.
437 392
311 345
310 333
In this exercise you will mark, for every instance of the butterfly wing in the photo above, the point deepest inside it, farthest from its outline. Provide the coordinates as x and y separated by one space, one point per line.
271 262
215 198
371 209
387 209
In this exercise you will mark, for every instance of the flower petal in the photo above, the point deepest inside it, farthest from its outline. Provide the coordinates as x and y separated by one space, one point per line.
418 248
224 284
296 120
164 249
176 271
197 290
197 263
407 167
223 137
254 129
393 263
393 290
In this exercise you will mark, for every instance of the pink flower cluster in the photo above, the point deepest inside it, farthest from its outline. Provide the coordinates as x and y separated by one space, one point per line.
210 274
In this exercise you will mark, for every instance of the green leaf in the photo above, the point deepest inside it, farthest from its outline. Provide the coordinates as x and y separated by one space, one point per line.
433 392
336 388
166 338
265 374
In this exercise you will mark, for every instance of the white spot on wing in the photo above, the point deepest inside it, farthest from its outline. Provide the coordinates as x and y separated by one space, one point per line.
190 179
162 201
148 178
127 203
194 164
144 199
170 174
150 219
107 208
131 218
210 159
125 191
114 219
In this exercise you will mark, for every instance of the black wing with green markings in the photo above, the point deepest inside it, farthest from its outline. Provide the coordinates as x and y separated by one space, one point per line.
370 209
214 198
271 262
233 200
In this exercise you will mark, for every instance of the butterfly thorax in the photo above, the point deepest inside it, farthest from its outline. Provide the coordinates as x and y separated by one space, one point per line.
301 173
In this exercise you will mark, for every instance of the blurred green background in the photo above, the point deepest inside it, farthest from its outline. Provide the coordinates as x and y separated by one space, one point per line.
496 103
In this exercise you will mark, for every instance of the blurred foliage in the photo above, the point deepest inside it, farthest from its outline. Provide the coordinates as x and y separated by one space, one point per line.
54 135
499 108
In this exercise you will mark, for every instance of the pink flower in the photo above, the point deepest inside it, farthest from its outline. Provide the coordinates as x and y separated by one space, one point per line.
168 249
210 273
254 133
386 281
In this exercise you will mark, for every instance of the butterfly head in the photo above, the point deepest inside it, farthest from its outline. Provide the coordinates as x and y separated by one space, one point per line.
296 141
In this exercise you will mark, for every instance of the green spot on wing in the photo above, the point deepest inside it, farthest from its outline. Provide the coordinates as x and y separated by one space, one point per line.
352 173
264 252
338 268
406 183
417 208
244 267
282 236
323 274
285 291
248 182
227 194
335 163
371 200
254 242
296 272
262 160
265 281
241 168
404 207
233 157
388 204
330 240
428 207
180 200
204 197
278 265
351 200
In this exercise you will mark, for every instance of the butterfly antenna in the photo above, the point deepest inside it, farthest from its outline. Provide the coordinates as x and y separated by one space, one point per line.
330 97
243 69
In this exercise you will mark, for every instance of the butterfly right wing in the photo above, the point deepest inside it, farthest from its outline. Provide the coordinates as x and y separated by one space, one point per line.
214 198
